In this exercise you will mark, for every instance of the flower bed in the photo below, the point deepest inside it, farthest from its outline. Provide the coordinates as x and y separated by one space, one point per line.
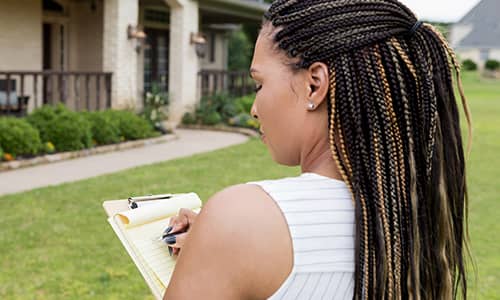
56 129
220 109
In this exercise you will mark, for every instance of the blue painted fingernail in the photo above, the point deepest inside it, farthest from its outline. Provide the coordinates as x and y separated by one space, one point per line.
170 239
169 250
169 228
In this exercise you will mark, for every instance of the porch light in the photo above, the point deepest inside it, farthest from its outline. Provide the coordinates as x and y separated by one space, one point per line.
200 43
133 32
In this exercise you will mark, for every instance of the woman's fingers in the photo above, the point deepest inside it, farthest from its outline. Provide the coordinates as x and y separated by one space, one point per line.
183 220
176 242
180 223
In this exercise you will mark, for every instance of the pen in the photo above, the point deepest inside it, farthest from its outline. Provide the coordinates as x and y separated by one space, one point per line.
164 236
132 201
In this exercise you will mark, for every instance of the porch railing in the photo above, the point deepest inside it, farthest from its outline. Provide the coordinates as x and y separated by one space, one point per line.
20 90
235 83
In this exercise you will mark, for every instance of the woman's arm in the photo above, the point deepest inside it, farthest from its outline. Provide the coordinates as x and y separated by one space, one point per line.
221 255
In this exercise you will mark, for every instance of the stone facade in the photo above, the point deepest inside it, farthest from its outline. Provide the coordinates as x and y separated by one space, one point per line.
119 55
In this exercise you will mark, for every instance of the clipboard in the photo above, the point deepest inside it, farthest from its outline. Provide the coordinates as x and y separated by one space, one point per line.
151 275
112 207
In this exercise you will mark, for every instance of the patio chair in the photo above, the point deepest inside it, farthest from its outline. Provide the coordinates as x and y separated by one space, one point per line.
16 105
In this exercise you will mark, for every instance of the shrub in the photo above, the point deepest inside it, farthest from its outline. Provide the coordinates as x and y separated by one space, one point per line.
1 153
492 65
188 118
42 118
131 126
65 129
221 103
155 106
104 129
211 118
244 103
244 120
469 65
18 137
70 131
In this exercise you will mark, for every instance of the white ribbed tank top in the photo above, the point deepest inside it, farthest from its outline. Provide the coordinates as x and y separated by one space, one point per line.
320 217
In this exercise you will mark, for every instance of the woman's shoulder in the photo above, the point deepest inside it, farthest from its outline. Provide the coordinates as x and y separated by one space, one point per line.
259 228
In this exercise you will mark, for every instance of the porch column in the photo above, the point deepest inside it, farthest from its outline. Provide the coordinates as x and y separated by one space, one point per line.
183 62
119 55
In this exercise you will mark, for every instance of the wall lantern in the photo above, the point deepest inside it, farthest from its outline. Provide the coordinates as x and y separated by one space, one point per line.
200 43
133 32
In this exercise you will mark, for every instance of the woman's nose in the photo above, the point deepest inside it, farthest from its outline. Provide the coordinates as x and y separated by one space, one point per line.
253 111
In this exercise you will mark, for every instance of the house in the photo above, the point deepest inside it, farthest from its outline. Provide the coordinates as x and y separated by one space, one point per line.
477 35
94 54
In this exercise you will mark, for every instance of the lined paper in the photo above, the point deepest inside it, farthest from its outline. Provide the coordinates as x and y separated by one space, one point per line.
141 239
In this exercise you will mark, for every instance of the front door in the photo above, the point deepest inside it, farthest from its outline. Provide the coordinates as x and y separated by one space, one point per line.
156 59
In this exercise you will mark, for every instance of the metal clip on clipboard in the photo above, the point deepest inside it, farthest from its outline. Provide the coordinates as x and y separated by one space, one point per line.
132 201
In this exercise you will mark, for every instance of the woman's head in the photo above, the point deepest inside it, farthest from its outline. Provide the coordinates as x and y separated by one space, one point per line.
381 85
289 105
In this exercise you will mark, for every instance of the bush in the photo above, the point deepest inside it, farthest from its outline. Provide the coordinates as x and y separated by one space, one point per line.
244 120
1 154
221 103
70 131
104 129
492 65
469 65
211 118
188 118
18 137
43 118
131 126
155 106
65 129
244 104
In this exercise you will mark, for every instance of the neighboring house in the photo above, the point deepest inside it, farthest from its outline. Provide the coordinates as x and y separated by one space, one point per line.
93 53
477 35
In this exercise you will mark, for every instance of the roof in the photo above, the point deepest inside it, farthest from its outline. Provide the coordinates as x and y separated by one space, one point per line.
249 10
485 21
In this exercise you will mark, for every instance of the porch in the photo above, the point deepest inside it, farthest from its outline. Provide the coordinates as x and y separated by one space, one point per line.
90 54
19 89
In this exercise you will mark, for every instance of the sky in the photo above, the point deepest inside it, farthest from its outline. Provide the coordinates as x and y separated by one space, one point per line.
440 10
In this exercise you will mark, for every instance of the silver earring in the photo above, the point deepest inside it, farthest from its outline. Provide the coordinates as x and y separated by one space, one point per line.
311 105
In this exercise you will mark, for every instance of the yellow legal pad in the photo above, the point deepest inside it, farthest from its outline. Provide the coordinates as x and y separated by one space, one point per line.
138 229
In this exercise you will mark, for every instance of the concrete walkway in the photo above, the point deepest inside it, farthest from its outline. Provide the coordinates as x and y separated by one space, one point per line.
190 142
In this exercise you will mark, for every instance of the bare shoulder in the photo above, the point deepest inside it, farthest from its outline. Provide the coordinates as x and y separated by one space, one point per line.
260 231
238 248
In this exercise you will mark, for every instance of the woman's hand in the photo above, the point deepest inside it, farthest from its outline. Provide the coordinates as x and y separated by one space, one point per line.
180 223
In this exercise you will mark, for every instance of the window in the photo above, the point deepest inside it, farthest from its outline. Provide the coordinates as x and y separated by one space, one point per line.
156 16
212 47
484 54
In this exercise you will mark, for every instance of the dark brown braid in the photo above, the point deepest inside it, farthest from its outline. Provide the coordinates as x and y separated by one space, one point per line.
393 120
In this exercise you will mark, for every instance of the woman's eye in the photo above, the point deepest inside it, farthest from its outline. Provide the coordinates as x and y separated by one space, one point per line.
257 88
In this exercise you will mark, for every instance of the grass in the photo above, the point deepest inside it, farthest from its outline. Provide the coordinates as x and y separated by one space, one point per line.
483 183
56 244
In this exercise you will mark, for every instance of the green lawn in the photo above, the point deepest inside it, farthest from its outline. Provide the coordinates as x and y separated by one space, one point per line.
55 242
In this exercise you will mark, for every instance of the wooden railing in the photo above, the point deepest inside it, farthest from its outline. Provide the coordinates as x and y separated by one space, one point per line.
78 90
235 83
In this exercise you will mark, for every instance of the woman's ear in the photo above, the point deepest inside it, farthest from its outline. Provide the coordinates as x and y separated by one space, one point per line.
318 80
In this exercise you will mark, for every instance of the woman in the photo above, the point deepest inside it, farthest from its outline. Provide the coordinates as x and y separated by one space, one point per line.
360 95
